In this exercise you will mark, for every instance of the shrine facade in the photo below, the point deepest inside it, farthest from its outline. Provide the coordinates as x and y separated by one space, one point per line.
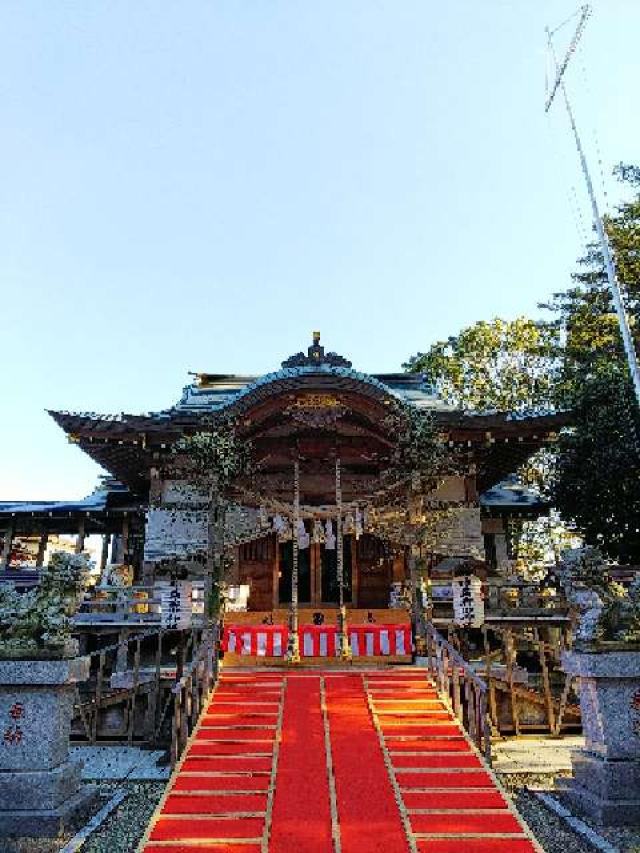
313 412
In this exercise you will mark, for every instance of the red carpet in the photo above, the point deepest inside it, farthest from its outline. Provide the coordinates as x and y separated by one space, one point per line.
368 815
301 809
380 767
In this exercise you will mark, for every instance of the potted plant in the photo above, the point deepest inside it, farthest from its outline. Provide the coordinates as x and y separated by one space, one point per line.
39 668
36 625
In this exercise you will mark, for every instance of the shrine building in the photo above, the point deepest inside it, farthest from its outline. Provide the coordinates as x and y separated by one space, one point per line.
315 412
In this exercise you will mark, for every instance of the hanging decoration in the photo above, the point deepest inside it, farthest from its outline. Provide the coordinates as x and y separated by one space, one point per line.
318 532
293 648
329 536
302 535
345 647
282 527
359 523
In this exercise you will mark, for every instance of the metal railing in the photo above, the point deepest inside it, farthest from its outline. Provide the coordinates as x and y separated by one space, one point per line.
466 693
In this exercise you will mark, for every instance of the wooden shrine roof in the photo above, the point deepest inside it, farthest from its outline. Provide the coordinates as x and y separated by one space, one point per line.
102 512
276 411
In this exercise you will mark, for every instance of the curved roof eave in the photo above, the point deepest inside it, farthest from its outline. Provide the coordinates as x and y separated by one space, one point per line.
225 394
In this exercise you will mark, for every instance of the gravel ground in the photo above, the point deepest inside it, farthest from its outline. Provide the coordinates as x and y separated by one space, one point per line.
627 839
552 832
123 829
120 832
556 836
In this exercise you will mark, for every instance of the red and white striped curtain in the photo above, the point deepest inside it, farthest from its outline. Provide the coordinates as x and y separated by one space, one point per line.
370 640
260 640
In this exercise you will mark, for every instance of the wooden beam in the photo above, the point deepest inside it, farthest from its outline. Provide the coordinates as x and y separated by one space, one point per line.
79 547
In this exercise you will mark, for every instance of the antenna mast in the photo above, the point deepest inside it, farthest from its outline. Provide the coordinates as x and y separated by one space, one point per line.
614 287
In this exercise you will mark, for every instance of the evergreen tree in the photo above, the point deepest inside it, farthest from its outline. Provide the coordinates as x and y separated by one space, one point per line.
596 482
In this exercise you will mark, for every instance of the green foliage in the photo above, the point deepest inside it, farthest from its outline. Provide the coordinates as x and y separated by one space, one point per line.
36 623
215 455
596 481
575 362
614 612
502 365
214 458
419 454
593 341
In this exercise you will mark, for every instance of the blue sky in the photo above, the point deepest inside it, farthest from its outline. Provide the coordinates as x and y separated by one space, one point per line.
199 185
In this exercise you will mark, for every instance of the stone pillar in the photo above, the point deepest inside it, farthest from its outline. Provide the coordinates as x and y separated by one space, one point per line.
5 560
39 786
606 781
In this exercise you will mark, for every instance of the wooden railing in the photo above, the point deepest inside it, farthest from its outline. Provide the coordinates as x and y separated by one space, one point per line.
466 693
123 675
504 598
138 604
508 596
521 665
191 690
151 684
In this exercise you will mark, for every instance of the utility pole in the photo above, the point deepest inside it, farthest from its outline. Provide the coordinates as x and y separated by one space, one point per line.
614 287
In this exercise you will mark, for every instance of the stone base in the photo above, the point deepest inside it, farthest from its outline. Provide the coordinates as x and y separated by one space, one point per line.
606 780
601 811
45 823
34 790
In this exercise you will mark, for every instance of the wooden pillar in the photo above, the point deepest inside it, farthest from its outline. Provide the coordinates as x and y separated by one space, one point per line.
416 605
104 554
125 539
80 537
315 566
293 651
275 601
122 653
5 560
470 488
42 549
355 577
